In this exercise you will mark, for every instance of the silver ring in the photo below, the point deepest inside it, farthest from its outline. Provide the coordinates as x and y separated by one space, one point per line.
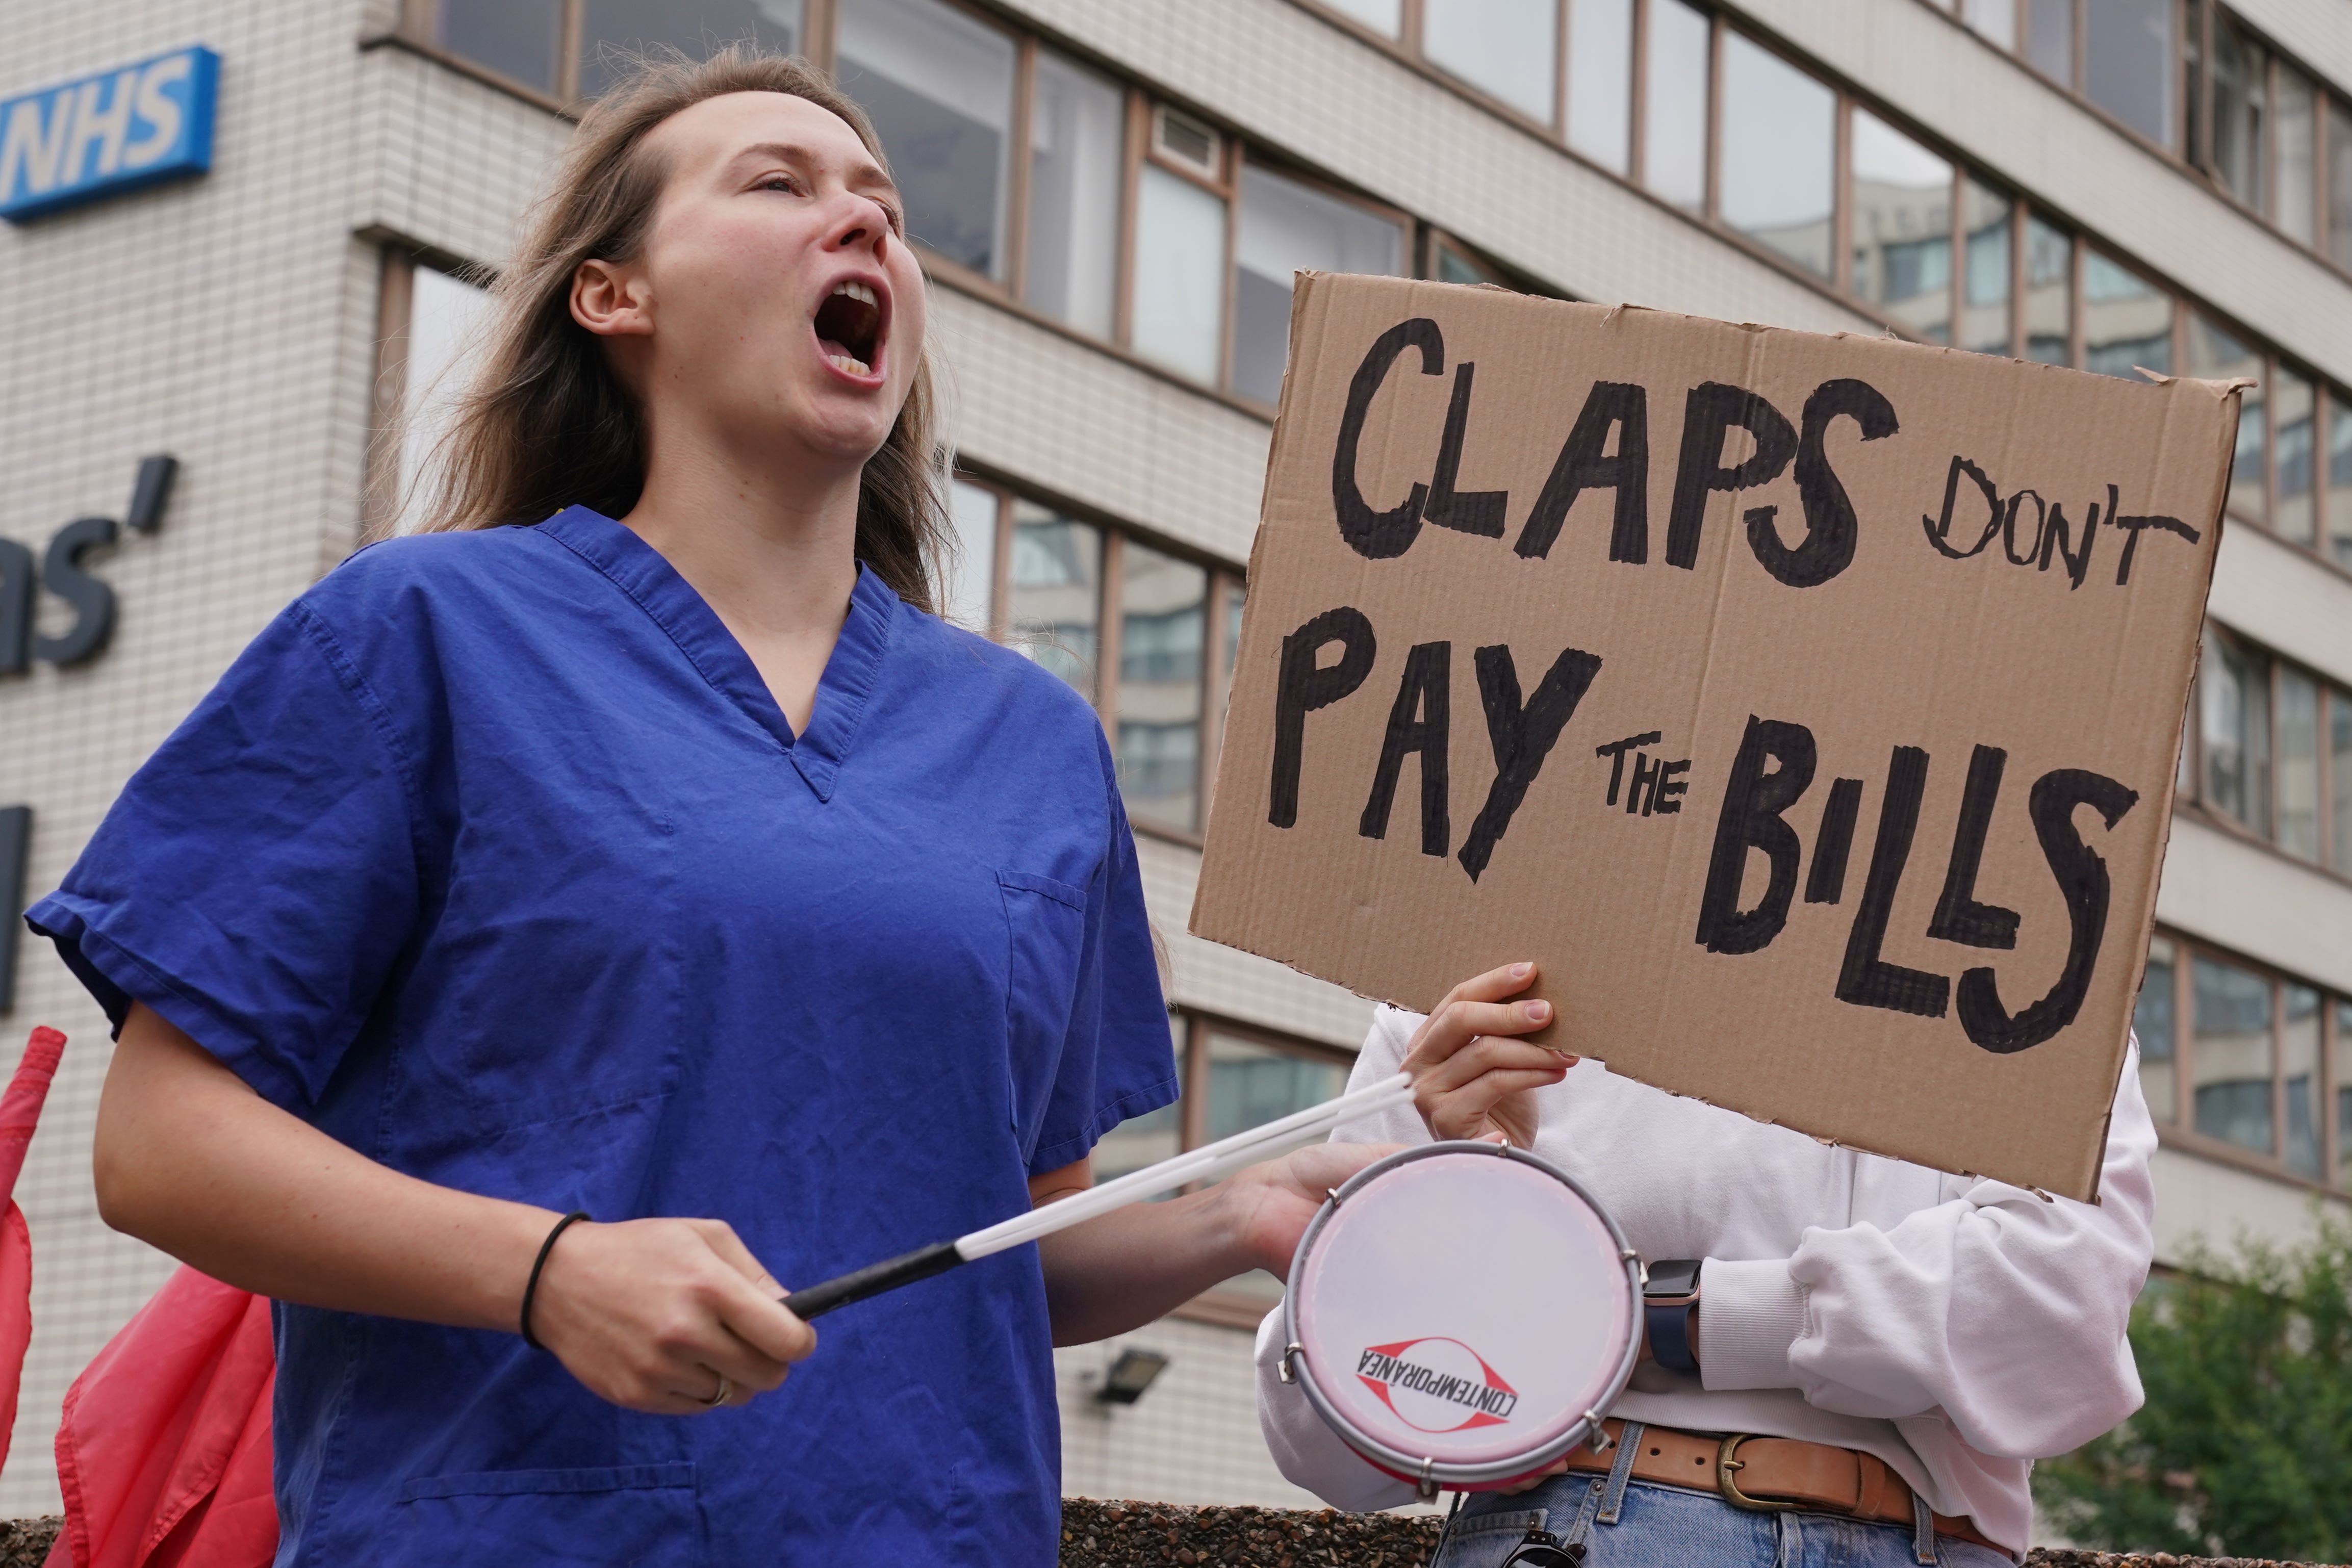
725 1388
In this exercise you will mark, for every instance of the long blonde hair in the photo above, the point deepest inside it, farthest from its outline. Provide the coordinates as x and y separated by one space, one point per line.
546 423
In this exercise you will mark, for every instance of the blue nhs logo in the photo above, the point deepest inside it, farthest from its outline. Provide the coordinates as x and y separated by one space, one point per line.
107 133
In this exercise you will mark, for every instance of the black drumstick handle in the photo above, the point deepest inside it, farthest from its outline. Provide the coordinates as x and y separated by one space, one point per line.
873 1279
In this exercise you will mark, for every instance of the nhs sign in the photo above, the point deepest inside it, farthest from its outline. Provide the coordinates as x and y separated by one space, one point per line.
107 133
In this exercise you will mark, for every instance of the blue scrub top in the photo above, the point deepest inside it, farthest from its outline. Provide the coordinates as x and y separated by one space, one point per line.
493 858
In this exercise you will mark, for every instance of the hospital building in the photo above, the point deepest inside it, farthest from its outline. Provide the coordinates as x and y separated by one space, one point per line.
249 236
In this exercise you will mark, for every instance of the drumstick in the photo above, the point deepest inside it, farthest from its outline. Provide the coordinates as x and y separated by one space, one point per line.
1204 1163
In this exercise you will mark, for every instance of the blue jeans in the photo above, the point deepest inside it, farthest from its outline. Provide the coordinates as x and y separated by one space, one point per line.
1626 1524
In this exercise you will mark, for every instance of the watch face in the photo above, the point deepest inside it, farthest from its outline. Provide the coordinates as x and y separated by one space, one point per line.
1674 1277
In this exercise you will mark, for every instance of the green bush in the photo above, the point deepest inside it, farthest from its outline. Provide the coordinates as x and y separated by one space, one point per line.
2244 1446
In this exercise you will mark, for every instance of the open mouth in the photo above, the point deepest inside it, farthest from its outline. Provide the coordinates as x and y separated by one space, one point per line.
849 328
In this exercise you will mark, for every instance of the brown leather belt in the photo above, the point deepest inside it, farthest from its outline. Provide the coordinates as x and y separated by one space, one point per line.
1773 1475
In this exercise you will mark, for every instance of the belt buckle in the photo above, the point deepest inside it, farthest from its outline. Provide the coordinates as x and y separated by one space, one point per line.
1726 1463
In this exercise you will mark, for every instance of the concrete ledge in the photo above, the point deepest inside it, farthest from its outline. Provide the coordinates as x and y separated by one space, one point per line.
1154 1535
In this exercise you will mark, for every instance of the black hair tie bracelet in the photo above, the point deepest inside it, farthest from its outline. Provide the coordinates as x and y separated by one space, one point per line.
538 1264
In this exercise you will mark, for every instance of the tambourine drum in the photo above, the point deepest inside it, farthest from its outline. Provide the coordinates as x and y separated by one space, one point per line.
1463 1314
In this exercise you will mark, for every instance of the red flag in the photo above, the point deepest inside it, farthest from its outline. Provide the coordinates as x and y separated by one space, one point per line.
20 1112
163 1454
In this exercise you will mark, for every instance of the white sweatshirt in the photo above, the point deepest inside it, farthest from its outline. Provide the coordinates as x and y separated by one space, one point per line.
1956 1328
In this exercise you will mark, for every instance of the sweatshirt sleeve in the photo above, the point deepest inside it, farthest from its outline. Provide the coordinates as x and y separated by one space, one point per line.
1307 1452
2004 1310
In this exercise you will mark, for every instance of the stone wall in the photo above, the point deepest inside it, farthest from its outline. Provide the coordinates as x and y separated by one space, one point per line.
1158 1535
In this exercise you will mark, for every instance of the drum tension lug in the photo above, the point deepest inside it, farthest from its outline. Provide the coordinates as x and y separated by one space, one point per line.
1426 1487
1333 1194
1600 1442
1289 1373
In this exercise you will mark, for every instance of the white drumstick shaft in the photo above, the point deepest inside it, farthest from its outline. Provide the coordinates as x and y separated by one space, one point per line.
1205 1164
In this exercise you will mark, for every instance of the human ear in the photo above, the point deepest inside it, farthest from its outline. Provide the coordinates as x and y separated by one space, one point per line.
611 301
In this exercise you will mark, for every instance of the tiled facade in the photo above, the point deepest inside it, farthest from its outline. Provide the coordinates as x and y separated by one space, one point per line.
233 322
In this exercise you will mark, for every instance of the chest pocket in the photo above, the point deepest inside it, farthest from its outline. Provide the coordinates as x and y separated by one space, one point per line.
1047 924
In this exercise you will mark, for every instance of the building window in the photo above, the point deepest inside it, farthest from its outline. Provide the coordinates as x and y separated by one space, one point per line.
1145 634
2294 168
2339 781
972 588
2299 701
2126 58
1076 173
1250 1080
2338 525
1162 643
2215 354
2338 166
2299 1048
1142 225
2239 115
2049 293
2193 79
1179 274
1287 227
613 30
2050 38
2340 1075
939 87
2272 745
522 39
1384 16
1777 148
1600 82
2233 1056
429 340
1509 48
2128 64
2234 715
1054 613
2292 471
2293 413
1902 232
1234 1078
1674 104
2154 1021
2127 320
2267 1057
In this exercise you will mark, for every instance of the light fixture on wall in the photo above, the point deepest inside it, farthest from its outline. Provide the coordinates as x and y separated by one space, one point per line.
1129 1375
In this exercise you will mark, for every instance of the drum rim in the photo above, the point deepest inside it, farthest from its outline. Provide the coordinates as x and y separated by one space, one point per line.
1396 1460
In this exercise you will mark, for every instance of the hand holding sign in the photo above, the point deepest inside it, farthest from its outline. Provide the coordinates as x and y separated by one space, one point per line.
1470 1078
1813 700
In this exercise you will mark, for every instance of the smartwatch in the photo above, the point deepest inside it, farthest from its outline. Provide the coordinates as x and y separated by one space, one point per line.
1669 1299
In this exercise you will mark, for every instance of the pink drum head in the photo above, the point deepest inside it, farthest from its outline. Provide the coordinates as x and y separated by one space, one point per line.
1463 1314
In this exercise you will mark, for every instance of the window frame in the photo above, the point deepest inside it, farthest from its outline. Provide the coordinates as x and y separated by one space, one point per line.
1238 159
399 259
416 28
2332 695
2181 1130
2190 150
1220 1304
1221 575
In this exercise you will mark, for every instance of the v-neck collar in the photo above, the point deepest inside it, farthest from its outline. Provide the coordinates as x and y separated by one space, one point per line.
641 571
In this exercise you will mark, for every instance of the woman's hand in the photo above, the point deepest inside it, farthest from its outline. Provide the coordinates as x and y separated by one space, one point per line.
653 1314
1470 1078
1278 1200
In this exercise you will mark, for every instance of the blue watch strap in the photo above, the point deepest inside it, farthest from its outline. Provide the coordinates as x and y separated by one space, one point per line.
1669 1327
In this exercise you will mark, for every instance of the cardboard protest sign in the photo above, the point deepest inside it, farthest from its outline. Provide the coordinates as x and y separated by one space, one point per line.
1808 706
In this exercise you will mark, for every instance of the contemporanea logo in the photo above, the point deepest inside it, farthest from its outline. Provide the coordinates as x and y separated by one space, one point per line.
1437 1385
